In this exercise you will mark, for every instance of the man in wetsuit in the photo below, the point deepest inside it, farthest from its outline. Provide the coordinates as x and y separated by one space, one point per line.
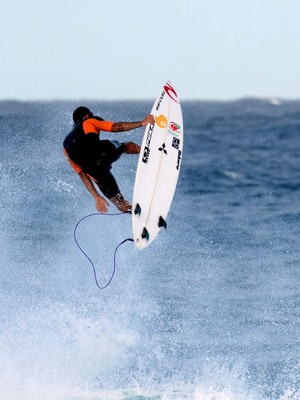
91 158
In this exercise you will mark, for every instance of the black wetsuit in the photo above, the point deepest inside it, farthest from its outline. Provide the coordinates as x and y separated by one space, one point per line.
94 156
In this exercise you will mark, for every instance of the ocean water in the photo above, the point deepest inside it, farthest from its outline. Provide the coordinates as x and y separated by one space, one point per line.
210 311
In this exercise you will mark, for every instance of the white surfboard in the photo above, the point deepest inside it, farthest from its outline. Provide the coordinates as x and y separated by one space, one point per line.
158 168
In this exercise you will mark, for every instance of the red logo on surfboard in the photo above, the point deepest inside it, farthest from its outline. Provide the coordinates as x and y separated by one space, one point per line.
171 92
174 128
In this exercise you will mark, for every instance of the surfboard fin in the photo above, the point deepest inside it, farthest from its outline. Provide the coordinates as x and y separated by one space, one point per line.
145 234
162 222
137 209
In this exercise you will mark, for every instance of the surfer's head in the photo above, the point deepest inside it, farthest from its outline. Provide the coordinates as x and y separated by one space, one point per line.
80 113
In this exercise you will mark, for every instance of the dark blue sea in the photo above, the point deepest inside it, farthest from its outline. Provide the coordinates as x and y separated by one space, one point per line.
209 311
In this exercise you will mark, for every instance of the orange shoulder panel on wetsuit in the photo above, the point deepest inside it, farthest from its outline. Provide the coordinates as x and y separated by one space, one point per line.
75 166
95 126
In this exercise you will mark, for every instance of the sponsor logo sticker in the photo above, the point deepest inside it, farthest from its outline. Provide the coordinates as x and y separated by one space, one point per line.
146 155
178 159
171 92
175 142
160 100
146 152
174 128
161 121
163 148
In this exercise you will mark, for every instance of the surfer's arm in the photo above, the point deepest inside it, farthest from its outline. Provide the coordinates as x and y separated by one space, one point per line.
95 125
128 126
101 203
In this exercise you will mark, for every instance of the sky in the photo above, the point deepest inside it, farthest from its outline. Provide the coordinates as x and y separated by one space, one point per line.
127 49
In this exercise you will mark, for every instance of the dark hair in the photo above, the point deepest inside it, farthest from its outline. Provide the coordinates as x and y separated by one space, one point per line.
80 112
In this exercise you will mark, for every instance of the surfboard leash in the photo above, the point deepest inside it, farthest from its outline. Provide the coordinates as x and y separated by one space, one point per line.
89 259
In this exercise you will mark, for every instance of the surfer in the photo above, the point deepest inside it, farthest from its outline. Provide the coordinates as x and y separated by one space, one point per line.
91 158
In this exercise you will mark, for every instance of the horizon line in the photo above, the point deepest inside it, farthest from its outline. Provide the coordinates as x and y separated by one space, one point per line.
78 100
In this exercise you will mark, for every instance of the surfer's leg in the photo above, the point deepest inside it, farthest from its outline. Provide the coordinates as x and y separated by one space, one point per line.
131 148
109 187
121 204
111 150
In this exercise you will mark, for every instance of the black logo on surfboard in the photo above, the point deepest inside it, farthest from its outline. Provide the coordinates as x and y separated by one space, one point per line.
163 148
175 142
146 155
146 152
178 159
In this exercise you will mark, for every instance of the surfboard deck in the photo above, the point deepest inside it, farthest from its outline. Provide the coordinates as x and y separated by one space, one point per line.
158 168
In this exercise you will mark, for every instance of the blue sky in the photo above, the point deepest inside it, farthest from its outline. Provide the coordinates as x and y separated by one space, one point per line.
126 49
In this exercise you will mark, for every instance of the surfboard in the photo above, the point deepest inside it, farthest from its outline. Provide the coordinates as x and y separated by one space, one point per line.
158 168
